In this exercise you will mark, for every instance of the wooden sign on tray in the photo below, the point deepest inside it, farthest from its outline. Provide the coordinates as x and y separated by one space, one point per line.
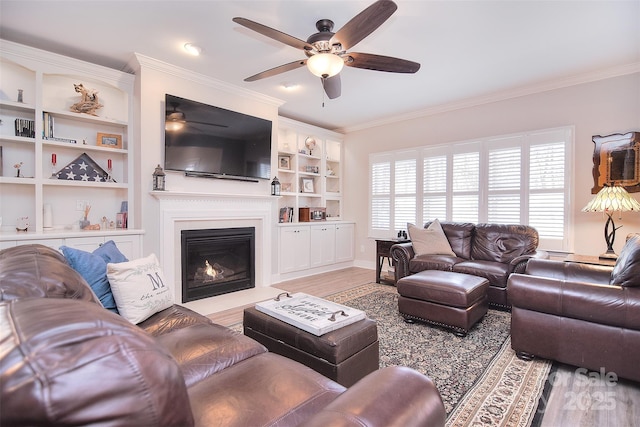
312 314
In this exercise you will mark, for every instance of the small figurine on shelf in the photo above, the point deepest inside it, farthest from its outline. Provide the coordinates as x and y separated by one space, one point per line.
22 224
18 166
84 223
88 102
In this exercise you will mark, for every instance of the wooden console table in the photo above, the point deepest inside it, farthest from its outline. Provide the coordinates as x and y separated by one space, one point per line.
383 247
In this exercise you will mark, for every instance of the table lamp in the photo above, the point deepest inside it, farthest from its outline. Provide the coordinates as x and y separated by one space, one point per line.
608 200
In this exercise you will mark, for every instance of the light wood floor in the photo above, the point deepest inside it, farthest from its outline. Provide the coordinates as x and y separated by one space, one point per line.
574 400
320 285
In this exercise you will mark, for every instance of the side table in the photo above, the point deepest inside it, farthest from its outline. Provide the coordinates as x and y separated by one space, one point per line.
383 248
587 259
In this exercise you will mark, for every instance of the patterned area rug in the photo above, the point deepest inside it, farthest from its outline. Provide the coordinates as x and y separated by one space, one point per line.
480 379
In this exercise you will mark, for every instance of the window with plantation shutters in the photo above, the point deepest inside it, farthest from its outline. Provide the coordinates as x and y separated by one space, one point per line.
405 193
504 168
381 195
465 187
393 194
547 194
434 187
512 179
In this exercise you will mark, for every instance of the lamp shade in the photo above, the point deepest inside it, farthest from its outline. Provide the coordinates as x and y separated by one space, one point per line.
611 199
325 65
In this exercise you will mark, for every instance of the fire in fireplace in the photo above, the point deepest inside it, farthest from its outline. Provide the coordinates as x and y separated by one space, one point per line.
217 261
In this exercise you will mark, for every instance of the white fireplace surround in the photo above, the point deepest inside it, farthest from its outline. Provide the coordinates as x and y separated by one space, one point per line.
194 211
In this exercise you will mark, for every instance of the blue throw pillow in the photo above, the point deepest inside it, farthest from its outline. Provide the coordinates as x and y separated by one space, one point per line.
109 252
93 268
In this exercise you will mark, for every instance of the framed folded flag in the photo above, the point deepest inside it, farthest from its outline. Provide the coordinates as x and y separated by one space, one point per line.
83 168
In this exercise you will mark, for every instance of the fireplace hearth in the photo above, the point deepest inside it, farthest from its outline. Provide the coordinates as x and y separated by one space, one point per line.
217 261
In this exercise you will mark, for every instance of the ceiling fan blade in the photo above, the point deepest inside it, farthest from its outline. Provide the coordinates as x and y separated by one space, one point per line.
332 86
277 70
274 34
381 63
364 24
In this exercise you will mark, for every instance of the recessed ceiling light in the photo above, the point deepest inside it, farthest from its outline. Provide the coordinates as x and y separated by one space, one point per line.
290 86
193 49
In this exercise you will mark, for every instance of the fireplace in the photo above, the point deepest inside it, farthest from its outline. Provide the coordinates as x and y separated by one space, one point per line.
217 261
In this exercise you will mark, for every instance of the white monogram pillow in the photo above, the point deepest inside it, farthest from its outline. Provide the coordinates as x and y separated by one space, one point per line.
139 288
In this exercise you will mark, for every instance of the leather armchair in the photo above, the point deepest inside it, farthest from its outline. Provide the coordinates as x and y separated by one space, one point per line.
579 314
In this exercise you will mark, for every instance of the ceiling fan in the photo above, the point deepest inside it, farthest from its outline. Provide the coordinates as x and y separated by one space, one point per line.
175 119
327 51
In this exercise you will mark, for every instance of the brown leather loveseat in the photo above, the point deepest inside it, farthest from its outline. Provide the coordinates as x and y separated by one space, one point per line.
492 251
66 361
579 314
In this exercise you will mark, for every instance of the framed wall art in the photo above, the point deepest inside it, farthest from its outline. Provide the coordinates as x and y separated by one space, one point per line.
109 140
616 161
284 162
307 185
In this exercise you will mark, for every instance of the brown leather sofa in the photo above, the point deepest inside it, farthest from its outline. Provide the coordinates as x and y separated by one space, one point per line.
492 251
65 360
579 314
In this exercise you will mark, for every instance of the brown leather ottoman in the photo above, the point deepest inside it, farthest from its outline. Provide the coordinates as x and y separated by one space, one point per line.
344 355
454 300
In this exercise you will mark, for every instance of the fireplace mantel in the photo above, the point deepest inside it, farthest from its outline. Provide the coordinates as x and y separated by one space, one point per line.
188 211
185 195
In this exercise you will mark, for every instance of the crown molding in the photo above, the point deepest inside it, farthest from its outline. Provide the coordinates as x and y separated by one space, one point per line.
139 61
35 59
546 86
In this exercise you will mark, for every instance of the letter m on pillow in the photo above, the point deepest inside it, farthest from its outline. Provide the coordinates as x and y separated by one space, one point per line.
156 282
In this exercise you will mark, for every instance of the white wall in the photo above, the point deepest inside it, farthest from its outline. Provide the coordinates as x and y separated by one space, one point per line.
154 79
597 108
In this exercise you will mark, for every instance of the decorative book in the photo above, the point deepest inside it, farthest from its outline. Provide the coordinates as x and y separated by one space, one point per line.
311 314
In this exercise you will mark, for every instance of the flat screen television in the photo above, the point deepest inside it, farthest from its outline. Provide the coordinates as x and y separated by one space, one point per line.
203 140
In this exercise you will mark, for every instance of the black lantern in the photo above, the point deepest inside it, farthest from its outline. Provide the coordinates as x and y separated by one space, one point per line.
158 179
275 186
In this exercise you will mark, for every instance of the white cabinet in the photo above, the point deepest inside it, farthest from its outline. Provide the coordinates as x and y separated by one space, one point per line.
49 137
309 168
129 242
323 244
294 248
318 246
345 235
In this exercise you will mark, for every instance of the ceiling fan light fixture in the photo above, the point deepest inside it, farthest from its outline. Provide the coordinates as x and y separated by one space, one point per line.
174 121
193 49
325 65
173 125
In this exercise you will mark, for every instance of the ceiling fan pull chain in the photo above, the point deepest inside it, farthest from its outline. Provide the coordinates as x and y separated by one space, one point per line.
323 90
